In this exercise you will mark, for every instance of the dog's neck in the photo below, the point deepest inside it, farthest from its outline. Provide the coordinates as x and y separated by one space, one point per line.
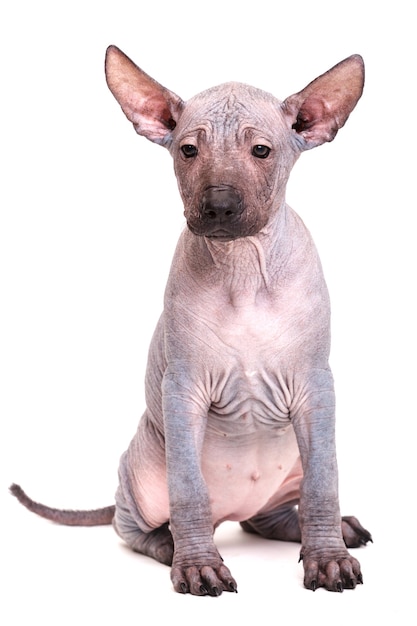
246 267
240 267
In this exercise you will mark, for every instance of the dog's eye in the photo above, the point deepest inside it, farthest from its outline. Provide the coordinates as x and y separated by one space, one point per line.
189 150
260 152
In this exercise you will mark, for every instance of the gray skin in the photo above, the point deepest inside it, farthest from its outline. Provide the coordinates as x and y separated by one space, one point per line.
240 421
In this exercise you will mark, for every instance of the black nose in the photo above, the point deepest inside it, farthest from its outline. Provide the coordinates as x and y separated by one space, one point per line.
221 206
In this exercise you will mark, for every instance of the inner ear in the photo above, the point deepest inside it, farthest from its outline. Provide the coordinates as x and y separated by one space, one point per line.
311 111
156 107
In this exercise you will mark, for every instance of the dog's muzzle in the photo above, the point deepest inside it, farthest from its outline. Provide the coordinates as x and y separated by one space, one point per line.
220 211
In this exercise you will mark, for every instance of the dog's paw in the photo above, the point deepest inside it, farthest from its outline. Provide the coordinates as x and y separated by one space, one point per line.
354 534
203 580
334 573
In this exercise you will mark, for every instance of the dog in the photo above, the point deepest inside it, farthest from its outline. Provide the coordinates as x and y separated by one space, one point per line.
239 420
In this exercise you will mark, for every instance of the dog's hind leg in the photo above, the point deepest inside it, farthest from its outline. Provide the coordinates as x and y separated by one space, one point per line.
156 543
282 524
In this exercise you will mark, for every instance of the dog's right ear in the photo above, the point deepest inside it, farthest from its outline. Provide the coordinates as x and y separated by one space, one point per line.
152 109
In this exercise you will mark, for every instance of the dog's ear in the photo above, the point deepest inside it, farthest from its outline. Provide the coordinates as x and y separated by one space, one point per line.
152 109
317 112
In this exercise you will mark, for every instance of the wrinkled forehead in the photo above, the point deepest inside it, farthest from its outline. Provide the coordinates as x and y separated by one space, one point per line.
229 108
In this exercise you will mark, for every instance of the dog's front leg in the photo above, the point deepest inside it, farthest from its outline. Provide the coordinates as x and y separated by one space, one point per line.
197 566
326 561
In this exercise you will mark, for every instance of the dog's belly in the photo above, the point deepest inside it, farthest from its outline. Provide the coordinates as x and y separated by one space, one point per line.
248 473
246 468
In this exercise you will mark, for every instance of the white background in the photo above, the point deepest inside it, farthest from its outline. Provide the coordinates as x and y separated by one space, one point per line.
90 215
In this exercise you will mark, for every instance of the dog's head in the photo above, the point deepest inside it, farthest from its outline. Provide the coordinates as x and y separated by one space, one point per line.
233 145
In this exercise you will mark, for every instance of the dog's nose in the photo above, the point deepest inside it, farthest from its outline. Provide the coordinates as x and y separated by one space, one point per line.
221 205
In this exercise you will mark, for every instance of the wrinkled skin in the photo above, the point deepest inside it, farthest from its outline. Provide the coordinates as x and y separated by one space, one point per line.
239 423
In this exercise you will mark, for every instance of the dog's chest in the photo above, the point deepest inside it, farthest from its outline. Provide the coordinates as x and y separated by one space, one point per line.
248 378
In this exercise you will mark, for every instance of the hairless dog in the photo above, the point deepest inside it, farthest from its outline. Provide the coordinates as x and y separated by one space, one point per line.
239 421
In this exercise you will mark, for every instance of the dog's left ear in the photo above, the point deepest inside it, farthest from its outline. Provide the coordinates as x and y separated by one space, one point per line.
317 112
152 109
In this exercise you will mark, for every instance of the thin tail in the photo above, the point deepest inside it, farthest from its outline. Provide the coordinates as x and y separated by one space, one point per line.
97 517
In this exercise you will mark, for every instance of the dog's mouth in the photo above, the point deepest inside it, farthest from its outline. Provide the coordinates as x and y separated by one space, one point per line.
217 234
222 235
220 232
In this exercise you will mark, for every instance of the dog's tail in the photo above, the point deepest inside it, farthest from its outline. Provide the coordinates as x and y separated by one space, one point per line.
96 517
